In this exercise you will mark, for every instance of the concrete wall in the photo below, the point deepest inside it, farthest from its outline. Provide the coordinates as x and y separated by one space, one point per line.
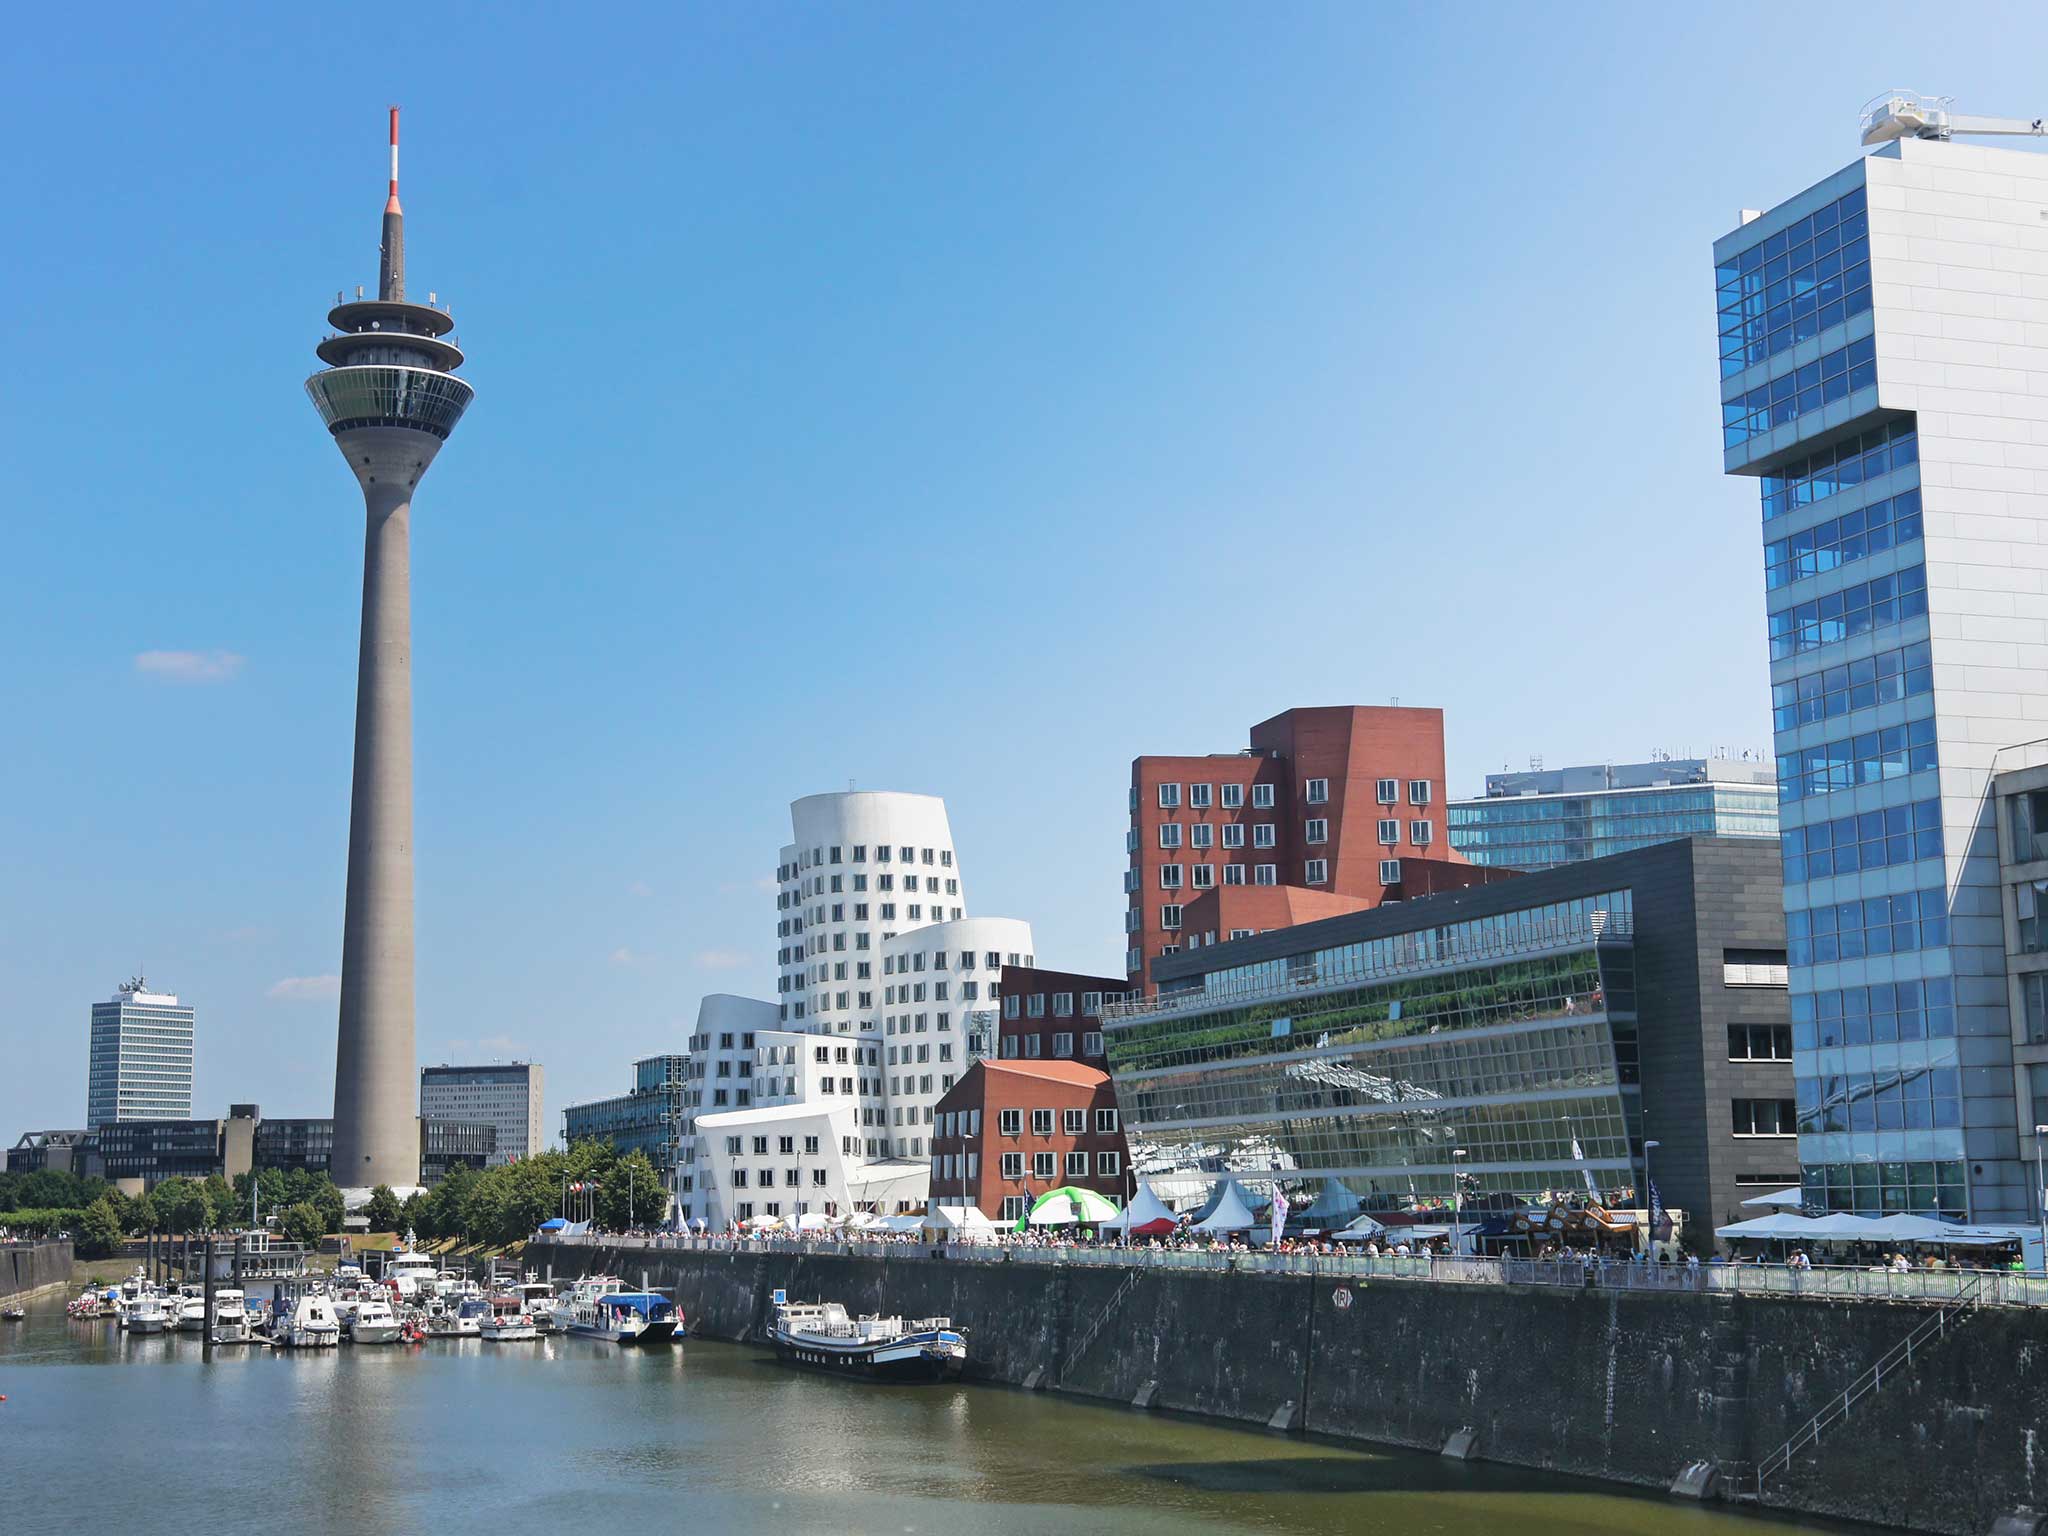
31 1266
1629 1387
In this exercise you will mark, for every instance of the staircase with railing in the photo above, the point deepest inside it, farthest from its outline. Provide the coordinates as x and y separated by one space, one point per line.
1101 1318
1927 1332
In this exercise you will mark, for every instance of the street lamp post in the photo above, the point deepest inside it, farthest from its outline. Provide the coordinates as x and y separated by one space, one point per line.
965 1138
1650 1201
2041 1178
1457 1204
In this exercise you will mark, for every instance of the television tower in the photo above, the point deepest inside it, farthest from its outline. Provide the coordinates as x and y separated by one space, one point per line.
390 398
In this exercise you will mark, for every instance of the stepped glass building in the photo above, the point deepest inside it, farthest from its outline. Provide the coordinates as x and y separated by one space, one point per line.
1884 382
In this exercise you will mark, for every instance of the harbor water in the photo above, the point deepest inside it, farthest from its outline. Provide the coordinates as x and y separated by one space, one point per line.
106 1431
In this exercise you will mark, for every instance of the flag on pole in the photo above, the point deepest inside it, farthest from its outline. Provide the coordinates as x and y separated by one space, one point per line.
1660 1220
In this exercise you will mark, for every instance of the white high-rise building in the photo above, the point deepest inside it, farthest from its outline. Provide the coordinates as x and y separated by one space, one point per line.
506 1094
1884 379
941 998
140 1064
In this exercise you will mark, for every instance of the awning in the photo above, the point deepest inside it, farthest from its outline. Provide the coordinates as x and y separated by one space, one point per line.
1779 1199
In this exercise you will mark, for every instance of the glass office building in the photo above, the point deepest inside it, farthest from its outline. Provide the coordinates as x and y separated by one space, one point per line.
1880 384
649 1119
1541 819
140 1063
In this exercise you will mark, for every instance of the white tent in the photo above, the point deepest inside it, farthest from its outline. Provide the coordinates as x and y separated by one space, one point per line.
967 1220
1778 1199
1145 1209
1359 1231
910 1223
815 1221
1232 1212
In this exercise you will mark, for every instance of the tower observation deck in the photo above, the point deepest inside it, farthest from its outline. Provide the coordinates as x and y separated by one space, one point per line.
389 397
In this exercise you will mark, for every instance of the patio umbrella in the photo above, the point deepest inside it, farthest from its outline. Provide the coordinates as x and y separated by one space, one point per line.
1066 1206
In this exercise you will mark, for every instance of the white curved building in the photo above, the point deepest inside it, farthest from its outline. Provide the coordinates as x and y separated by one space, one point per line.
941 992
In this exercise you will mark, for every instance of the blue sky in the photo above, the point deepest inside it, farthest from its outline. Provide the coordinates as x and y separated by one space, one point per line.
934 398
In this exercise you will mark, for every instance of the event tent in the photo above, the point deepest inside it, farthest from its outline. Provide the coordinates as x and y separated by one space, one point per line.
1778 1199
1145 1216
968 1220
1071 1205
1360 1230
1230 1213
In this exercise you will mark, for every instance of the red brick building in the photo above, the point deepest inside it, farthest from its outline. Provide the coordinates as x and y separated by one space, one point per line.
1008 1131
1054 1015
1330 800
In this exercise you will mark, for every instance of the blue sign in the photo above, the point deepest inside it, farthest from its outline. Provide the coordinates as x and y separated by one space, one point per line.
778 1298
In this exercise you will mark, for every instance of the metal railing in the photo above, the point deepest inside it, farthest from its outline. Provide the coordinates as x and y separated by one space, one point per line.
1919 1286
1313 976
1928 1330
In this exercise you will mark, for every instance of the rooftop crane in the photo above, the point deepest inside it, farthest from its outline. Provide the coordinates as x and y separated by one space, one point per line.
1909 115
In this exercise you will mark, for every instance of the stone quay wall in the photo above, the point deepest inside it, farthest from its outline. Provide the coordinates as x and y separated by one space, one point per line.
31 1266
1625 1386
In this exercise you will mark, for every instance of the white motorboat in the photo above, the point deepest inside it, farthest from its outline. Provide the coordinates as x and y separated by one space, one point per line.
230 1317
628 1317
374 1322
412 1272
146 1314
536 1299
580 1301
313 1325
509 1327
192 1314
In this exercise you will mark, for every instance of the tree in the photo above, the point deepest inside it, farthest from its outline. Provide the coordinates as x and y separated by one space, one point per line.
302 1225
383 1209
223 1210
181 1205
99 1230
411 1214
140 1216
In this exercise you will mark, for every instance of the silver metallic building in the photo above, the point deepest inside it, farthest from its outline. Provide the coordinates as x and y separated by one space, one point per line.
390 398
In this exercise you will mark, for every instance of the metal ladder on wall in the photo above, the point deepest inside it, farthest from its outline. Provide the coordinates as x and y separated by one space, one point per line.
1101 1319
1949 1315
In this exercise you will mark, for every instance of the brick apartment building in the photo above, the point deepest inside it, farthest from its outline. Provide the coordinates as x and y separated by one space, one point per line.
1054 1015
1008 1131
1328 801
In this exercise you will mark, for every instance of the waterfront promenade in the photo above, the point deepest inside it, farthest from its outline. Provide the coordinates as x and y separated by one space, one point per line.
1845 1282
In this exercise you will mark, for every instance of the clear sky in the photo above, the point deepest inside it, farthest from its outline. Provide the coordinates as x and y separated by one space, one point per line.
951 399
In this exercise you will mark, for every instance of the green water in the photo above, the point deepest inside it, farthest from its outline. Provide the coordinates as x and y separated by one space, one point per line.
106 1433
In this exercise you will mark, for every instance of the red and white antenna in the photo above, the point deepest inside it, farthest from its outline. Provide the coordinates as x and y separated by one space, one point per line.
392 205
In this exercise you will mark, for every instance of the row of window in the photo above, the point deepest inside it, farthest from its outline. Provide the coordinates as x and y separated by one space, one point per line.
1786 398
1916 1098
1885 1188
1879 925
1870 758
1840 467
1884 678
835 885
1034 1006
1853 610
785 1146
1313 792
1010 1122
991 960
1763 1117
1044 1165
1898 834
1842 540
943 857
1031 1047
1202 834
1875 1015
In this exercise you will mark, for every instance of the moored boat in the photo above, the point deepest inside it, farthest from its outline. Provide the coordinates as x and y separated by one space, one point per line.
822 1336
230 1317
374 1322
146 1314
313 1325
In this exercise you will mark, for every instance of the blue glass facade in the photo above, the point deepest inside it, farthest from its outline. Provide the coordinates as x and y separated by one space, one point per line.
1543 831
1794 283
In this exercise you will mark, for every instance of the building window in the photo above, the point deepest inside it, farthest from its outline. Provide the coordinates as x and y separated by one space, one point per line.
1204 876
1264 835
1753 967
1091 1005
1262 797
1317 792
1074 1122
1390 871
1034 1006
1045 1165
1198 797
1763 1117
1105 1122
1265 874
1013 1205
1077 1165
1062 1045
1317 830
1418 791
1169 877
1390 832
1109 1165
1169 916
1387 791
1169 834
1013 1165
1316 871
1233 835
1233 796
1011 1122
1041 1122
1202 835
1759 1042
1091 1043
1233 874
1169 797
1419 833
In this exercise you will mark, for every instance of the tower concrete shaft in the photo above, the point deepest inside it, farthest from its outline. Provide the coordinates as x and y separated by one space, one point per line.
390 399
